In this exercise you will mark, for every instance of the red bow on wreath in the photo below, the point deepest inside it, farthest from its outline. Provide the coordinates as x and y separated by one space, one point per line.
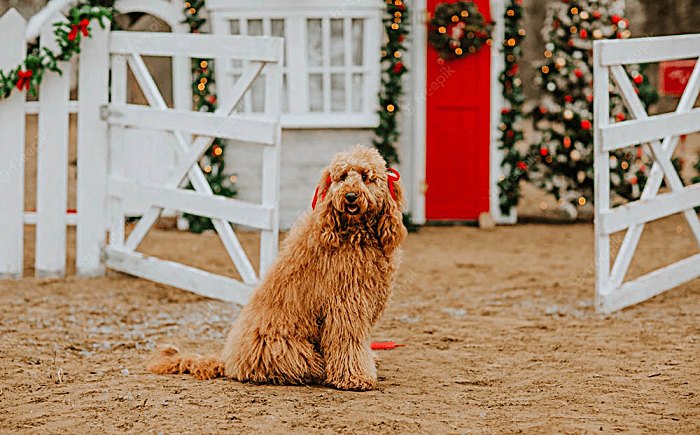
391 180
80 27
24 77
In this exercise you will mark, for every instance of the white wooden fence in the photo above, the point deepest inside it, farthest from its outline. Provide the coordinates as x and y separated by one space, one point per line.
105 187
662 133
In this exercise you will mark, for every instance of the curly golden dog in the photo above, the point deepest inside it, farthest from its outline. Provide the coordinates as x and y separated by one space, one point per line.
309 319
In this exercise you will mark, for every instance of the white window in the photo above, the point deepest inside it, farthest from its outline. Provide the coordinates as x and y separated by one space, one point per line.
332 61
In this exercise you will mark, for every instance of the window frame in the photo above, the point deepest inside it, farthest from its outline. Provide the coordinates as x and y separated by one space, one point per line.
296 69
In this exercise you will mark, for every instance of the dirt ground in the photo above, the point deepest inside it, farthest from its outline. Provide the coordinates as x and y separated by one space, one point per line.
499 328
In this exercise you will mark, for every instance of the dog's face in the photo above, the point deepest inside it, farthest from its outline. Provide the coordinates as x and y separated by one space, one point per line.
356 190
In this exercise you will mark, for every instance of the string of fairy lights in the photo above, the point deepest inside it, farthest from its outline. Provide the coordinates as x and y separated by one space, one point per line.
203 94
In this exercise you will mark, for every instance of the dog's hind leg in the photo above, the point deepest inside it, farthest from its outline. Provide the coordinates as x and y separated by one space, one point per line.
278 360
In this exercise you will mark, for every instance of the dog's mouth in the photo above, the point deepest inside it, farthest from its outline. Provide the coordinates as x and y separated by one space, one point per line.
352 209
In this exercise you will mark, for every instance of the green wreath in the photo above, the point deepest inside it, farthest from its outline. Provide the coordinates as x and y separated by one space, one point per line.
458 29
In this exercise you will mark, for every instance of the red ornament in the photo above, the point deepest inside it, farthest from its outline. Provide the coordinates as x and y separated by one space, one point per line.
616 19
80 27
644 168
544 151
621 116
211 99
567 142
571 42
569 98
24 79
556 24
401 38
583 33
543 110
520 2
578 73
522 166
505 111
596 14
585 124
639 153
398 67
589 98
618 35
511 133
515 69
633 180
638 79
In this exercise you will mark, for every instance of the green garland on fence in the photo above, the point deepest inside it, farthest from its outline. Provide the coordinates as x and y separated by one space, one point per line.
29 74
396 29
212 163
514 168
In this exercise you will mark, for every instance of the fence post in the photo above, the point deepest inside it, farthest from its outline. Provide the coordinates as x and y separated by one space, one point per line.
93 140
12 156
52 165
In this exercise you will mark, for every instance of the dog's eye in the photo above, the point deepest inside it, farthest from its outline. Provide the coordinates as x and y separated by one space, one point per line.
364 177
343 177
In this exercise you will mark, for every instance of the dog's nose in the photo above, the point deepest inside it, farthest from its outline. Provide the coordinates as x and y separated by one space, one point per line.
351 196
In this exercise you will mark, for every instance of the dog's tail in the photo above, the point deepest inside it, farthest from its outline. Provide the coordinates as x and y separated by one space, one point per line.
169 360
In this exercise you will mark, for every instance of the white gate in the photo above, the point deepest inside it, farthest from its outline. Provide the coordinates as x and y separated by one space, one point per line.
662 133
123 50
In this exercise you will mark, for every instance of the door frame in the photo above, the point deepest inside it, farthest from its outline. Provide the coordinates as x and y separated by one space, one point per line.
420 47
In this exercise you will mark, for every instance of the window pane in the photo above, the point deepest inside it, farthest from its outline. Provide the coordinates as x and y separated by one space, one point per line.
255 28
337 92
315 92
337 43
285 94
258 94
240 107
277 29
236 30
235 27
358 90
358 40
314 46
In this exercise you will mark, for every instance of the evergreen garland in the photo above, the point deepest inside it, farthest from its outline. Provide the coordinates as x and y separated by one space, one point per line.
396 29
563 154
29 74
212 163
514 168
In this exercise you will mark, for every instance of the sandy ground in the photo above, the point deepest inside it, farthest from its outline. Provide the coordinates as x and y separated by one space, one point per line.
499 328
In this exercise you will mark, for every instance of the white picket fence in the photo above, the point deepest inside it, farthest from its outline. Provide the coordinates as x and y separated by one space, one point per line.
105 186
662 133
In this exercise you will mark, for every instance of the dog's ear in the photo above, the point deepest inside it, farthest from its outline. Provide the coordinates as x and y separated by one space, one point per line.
391 230
327 217
322 188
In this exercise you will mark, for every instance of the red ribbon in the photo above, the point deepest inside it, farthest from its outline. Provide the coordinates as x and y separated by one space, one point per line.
323 194
391 181
328 183
80 27
24 77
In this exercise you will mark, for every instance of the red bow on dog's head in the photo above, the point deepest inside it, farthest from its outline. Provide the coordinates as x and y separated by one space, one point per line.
393 177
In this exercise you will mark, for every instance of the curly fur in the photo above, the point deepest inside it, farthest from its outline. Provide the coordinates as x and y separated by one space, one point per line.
309 319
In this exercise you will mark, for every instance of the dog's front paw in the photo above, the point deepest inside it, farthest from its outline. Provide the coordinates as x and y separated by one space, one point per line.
355 383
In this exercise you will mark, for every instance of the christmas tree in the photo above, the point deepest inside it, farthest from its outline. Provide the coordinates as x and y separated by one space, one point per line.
563 150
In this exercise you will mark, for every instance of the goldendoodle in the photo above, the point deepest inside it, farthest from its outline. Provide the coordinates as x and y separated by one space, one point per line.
309 319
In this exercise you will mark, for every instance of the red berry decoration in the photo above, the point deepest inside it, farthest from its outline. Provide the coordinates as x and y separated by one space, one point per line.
569 98
585 124
544 151
543 110
505 111
578 73
597 14
638 79
583 33
522 166
633 180
621 116
567 142
616 19
398 67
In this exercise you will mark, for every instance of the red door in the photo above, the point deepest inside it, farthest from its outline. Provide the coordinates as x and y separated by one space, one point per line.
458 132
